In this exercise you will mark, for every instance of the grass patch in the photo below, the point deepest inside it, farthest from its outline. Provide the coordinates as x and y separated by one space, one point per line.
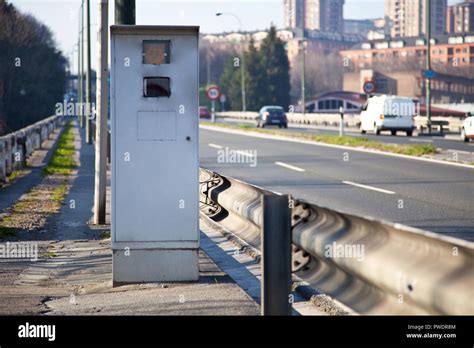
63 161
105 234
12 177
51 254
59 193
15 174
24 205
403 149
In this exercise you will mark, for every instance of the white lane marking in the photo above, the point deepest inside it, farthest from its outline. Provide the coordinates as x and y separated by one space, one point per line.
421 141
314 143
244 153
215 146
281 164
368 187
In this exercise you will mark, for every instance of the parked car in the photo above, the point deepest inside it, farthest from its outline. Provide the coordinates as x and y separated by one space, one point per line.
388 113
272 116
204 112
467 131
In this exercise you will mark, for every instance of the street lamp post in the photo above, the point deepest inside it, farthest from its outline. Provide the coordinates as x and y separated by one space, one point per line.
88 73
242 66
428 63
81 66
303 72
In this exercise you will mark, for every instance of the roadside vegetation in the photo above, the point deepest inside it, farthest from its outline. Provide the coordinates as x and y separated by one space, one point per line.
13 176
105 234
32 68
32 210
63 161
360 142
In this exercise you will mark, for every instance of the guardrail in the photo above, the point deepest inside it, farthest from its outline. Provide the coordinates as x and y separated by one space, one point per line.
333 120
350 120
373 267
16 147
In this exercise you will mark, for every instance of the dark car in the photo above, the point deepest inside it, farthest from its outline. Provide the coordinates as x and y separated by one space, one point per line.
204 112
272 116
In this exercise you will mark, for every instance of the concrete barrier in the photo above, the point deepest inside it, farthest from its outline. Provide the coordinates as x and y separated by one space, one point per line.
401 270
16 147
333 120
350 120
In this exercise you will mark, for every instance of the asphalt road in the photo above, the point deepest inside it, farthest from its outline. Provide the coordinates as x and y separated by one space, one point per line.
435 197
401 138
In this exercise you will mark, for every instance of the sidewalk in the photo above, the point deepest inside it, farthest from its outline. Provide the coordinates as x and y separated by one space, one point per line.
73 273
29 176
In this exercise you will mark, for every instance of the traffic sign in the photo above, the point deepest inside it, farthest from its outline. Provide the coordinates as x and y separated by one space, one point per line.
429 74
213 93
369 87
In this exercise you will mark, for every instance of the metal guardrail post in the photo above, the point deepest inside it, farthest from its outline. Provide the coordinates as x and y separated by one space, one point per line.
108 147
8 154
3 160
341 122
276 255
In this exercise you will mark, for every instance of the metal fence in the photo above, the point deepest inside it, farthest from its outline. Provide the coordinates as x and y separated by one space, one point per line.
373 267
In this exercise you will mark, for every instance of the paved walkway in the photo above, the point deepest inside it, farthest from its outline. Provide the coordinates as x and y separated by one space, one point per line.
31 175
76 213
75 275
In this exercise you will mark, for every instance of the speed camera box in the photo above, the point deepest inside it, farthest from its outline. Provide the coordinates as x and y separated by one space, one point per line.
154 118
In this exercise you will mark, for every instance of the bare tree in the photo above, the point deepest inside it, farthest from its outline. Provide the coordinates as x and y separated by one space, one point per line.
323 73
32 70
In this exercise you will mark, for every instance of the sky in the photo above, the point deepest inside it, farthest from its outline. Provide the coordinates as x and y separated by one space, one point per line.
62 16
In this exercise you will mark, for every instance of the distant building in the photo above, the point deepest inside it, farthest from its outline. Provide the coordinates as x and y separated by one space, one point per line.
244 38
359 26
351 102
316 41
407 18
294 12
321 42
411 83
376 35
453 50
322 15
461 18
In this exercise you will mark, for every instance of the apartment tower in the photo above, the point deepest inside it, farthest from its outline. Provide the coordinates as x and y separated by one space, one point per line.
407 18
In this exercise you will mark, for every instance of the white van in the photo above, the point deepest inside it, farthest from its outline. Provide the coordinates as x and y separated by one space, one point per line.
467 131
390 113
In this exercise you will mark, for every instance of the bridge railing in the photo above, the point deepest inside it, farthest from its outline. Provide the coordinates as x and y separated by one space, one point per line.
16 147
372 266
